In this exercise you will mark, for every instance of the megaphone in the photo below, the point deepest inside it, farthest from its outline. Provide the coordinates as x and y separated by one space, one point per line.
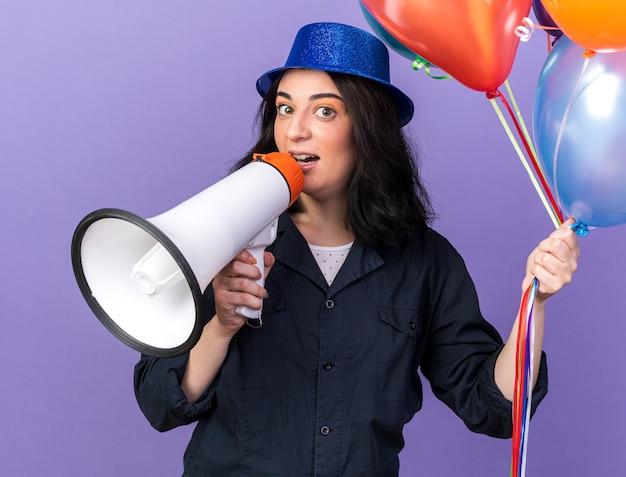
144 278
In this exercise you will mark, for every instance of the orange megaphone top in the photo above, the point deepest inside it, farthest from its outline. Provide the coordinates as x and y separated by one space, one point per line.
289 169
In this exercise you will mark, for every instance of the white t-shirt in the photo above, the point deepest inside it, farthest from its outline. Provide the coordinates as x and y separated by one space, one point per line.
330 259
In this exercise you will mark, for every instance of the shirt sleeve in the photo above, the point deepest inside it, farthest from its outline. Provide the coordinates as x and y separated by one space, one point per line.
158 390
461 353
157 383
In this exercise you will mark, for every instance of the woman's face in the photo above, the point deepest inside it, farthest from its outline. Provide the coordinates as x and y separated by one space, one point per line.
313 125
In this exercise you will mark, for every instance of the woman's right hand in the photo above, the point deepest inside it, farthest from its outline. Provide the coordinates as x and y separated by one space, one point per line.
235 285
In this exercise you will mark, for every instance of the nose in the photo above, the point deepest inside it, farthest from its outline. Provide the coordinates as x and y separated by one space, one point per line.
298 128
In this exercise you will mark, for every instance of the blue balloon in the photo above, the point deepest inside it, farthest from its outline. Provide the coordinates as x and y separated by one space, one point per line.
579 125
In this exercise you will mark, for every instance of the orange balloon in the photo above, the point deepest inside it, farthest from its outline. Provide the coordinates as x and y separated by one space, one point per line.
474 41
598 25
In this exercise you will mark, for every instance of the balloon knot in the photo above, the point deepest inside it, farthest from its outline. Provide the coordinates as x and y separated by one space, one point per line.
580 229
589 54
493 94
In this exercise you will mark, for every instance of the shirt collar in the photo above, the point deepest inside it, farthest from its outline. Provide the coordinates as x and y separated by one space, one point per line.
291 249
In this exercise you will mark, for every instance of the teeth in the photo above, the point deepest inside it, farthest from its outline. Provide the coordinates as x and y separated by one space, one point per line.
304 157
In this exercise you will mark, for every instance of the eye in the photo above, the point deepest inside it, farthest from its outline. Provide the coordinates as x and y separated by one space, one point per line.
284 109
325 112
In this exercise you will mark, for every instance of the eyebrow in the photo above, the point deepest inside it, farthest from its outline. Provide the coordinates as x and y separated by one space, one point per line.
313 97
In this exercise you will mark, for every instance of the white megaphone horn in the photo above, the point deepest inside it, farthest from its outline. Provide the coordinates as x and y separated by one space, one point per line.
144 278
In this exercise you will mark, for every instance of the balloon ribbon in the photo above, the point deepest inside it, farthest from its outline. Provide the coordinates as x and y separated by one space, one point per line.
544 191
522 398
420 63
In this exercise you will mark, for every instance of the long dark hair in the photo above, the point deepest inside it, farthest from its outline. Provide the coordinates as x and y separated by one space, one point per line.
387 202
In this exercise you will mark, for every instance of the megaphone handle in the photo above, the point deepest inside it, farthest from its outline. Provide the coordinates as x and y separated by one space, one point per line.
254 316
257 248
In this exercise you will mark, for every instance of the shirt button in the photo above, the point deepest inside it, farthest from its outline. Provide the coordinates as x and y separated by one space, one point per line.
328 366
325 430
412 325
330 304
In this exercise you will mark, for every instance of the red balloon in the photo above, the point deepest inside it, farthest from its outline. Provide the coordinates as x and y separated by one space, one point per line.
472 40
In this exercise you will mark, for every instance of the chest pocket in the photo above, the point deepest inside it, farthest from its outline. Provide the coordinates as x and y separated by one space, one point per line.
256 357
396 373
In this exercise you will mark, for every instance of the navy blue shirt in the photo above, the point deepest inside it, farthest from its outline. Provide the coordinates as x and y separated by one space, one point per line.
325 387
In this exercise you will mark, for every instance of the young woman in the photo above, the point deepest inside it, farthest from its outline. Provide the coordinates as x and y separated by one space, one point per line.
360 293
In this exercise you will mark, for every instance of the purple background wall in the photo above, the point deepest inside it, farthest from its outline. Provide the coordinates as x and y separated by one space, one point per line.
140 104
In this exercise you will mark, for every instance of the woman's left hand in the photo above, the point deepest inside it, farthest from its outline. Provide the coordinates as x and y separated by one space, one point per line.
553 262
